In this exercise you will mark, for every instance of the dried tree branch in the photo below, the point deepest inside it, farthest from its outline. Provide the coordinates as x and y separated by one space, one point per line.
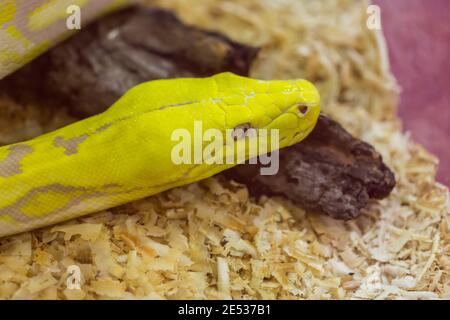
92 69
330 172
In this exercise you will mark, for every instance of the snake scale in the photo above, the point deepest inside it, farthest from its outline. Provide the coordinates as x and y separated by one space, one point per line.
124 153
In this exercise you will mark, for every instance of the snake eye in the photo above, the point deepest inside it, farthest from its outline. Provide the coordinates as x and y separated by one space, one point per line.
302 109
242 130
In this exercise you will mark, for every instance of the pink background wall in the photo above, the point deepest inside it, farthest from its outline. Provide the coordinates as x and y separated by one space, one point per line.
418 35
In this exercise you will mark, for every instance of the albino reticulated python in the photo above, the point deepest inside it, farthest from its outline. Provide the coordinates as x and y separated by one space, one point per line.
124 154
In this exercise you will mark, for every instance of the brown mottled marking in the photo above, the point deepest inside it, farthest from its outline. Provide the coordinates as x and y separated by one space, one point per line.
71 145
111 186
11 165
103 128
15 210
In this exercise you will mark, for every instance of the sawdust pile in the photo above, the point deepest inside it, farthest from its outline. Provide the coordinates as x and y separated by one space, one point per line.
210 241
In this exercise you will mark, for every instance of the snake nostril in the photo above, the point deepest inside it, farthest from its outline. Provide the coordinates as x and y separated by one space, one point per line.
303 109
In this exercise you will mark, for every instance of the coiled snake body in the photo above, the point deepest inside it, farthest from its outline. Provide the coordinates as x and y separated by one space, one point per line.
124 154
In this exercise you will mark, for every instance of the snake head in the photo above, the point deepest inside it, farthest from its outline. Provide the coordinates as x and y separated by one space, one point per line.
271 114
291 107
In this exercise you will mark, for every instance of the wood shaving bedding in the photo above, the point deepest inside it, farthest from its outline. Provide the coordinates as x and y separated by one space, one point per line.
209 240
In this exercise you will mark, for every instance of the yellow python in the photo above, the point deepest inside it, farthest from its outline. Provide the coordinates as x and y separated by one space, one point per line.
124 154
29 27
